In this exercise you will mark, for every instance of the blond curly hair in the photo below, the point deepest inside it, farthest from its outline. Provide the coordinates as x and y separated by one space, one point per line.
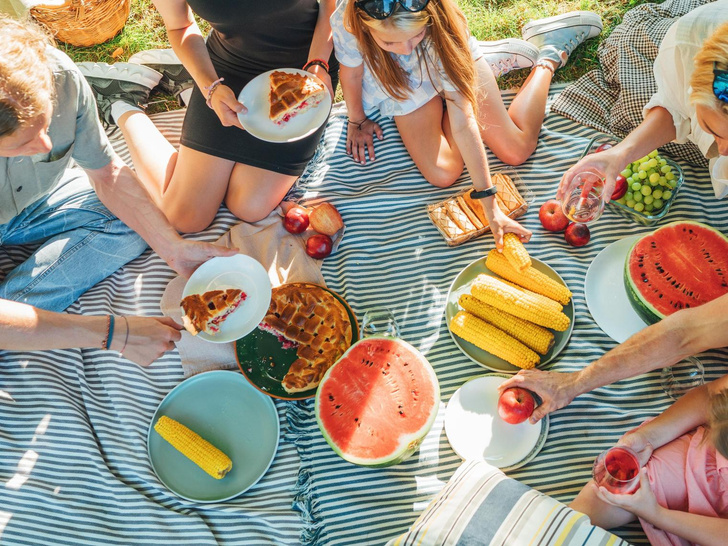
713 54
26 79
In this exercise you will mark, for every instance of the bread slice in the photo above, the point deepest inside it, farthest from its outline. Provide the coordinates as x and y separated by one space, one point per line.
293 93
206 312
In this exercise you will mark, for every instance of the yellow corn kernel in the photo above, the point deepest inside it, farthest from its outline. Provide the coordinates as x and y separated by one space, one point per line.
516 302
531 335
491 339
548 302
515 252
194 447
531 278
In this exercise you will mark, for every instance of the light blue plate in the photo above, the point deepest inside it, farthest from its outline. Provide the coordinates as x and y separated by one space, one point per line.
223 408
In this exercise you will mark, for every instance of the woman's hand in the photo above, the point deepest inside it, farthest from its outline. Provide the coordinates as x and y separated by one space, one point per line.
149 338
642 503
226 106
637 442
501 224
360 140
608 164
321 74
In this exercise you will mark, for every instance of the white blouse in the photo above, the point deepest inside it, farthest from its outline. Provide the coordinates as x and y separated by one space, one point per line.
673 69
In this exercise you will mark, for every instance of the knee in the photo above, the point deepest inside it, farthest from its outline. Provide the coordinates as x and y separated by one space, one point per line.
188 222
517 154
250 211
442 177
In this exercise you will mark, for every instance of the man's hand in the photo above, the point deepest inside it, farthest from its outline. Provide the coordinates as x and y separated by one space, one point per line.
187 256
555 389
149 338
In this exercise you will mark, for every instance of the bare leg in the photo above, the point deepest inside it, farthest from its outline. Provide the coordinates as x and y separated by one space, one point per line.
427 135
512 134
601 514
253 192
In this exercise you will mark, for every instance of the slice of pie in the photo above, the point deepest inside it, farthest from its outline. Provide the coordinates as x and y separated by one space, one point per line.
206 312
313 319
292 94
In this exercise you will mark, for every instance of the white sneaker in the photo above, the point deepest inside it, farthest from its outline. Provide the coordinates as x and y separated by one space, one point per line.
557 37
510 54
175 77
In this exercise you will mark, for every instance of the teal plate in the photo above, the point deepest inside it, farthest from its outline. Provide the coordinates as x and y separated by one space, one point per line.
264 362
461 285
225 410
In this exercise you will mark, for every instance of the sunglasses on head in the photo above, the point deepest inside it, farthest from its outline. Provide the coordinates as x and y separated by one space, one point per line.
720 84
381 9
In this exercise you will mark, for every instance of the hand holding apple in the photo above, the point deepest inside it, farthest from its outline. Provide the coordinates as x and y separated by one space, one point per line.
515 405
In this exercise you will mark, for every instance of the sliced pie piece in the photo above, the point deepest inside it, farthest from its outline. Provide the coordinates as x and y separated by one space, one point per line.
317 322
292 94
206 312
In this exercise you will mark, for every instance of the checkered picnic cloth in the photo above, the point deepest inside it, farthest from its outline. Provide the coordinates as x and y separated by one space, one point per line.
611 98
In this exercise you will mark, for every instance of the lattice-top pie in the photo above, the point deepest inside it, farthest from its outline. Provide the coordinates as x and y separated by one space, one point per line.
292 94
317 322
206 312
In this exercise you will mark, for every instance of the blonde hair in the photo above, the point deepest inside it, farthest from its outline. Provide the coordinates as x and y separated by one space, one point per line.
718 421
26 79
713 54
448 31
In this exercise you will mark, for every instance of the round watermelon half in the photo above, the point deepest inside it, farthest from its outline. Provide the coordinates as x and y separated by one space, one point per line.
378 402
680 265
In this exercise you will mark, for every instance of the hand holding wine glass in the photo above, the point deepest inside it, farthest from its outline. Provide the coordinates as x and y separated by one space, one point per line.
584 197
617 470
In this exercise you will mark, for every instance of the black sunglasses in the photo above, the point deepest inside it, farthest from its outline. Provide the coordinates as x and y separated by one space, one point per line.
381 9
720 84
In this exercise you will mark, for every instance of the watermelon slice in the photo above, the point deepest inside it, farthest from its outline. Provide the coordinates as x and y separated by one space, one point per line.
680 265
378 402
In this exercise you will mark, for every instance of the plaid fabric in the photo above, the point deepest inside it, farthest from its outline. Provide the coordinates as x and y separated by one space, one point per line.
611 99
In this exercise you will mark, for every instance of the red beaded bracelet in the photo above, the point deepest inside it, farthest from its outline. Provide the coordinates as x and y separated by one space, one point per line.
318 62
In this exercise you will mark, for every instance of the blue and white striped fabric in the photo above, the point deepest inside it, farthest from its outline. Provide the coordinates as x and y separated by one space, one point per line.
73 423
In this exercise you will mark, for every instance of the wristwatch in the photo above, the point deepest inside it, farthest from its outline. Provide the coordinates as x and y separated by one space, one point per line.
482 194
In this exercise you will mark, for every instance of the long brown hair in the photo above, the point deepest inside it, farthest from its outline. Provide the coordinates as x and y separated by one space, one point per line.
448 30
718 421
26 80
713 54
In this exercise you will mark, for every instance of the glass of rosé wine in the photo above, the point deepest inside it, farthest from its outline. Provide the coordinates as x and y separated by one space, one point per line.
584 199
617 470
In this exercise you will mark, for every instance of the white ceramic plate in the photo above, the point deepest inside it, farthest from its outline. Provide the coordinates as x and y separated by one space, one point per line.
606 296
239 271
476 431
256 97
461 285
223 408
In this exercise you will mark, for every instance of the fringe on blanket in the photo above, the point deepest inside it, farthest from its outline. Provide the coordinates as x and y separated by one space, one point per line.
611 99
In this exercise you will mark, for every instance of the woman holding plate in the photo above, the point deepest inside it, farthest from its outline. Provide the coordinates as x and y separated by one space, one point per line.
218 161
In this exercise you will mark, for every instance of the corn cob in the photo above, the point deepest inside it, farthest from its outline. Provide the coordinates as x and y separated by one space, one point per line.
532 335
516 302
530 278
515 252
548 302
491 339
194 447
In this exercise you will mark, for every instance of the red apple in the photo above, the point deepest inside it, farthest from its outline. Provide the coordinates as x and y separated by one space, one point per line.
515 405
603 147
319 246
552 217
620 188
296 220
577 234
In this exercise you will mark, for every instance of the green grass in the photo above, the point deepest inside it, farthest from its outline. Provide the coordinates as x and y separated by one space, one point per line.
488 20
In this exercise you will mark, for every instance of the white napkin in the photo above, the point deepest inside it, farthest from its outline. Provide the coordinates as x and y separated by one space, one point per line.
281 253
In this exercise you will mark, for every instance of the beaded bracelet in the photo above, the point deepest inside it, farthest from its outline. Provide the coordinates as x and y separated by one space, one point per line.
126 339
318 62
358 123
106 343
211 89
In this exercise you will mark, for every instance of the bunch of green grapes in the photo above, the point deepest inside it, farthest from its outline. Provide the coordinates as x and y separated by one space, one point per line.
651 183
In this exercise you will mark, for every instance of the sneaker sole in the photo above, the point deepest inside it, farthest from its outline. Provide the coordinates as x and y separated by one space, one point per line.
572 19
511 45
127 72
155 56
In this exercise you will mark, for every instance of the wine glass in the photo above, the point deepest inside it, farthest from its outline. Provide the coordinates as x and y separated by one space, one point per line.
584 197
379 321
679 378
617 470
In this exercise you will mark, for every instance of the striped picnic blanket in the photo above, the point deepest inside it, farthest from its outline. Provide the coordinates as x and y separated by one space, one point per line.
73 423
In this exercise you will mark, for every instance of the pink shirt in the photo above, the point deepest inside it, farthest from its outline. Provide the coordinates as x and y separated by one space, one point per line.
689 475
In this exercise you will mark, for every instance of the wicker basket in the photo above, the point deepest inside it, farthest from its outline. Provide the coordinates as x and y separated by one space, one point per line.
84 22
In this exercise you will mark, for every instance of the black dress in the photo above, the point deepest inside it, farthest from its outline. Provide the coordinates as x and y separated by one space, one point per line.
250 37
